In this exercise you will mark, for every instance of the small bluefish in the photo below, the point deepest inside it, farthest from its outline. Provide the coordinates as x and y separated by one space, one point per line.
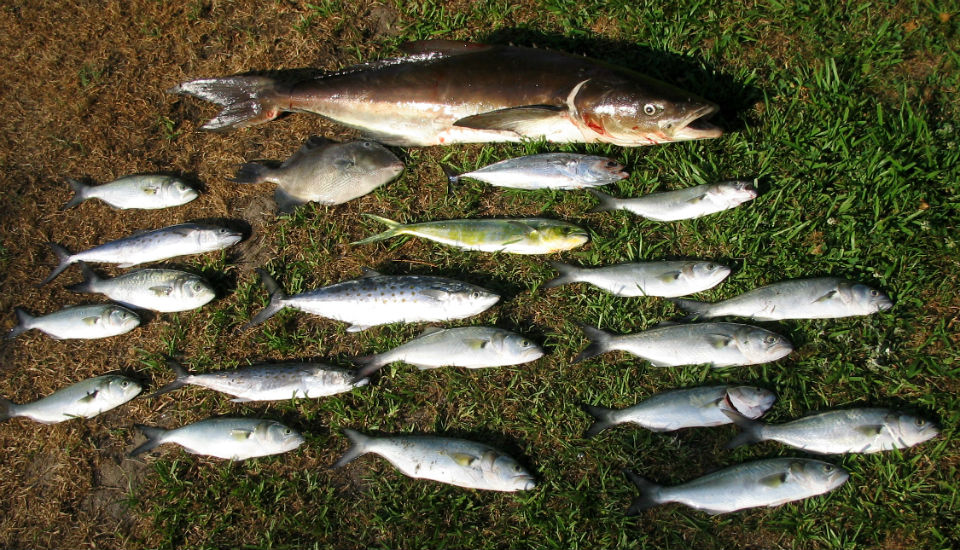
145 192
86 322
545 171
664 279
683 204
165 290
84 399
229 438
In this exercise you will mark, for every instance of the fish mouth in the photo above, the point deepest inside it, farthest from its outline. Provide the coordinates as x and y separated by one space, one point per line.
695 126
525 482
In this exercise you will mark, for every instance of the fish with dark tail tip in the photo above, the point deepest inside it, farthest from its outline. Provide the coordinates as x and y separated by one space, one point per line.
770 482
663 279
683 204
545 171
821 298
446 92
144 192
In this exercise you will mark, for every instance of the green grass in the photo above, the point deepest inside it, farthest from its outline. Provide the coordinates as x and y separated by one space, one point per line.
847 118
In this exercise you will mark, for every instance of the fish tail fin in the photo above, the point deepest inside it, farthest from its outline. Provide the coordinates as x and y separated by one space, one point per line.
24 323
90 280
63 262
369 364
453 176
393 229
154 438
648 493
277 300
246 100
599 343
602 419
607 202
7 409
568 274
179 382
695 309
252 173
79 191
358 447
752 431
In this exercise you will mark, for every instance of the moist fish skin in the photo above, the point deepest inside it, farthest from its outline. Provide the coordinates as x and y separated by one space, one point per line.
150 246
144 192
673 345
516 236
447 92
562 171
85 322
326 172
468 347
685 408
228 438
683 204
376 299
868 430
667 279
276 382
769 482
819 298
453 461
164 290
84 399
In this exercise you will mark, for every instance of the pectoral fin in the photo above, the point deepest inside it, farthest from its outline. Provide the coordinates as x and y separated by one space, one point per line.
463 459
89 397
476 343
161 290
696 200
90 320
870 431
773 481
670 276
719 341
240 435
826 297
520 120
151 190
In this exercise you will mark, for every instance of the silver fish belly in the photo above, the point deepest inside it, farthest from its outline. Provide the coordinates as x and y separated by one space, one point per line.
84 399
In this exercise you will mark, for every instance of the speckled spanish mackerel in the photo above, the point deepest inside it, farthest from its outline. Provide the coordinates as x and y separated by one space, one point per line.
446 92
517 236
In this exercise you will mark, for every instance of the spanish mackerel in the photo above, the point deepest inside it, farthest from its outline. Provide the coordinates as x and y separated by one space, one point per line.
447 92
376 299
150 246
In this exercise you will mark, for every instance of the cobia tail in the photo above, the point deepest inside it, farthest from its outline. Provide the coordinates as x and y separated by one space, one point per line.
447 92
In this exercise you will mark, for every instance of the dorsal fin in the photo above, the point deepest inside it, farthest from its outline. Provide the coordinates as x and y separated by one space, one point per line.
443 47
313 142
368 272
430 330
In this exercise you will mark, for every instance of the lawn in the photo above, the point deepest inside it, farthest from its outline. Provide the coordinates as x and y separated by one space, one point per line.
846 115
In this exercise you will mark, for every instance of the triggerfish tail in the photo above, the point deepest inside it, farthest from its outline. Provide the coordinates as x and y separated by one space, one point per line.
358 447
277 300
393 229
648 494
246 100
251 173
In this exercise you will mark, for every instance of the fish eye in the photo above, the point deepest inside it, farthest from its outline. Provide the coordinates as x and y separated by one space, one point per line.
874 293
711 266
516 468
124 384
287 431
919 422
769 339
612 164
828 468
651 109
524 343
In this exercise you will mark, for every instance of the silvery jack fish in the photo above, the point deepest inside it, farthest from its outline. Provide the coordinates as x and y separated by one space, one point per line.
164 290
469 347
821 298
229 438
545 171
516 236
666 279
150 246
672 345
769 482
454 461
683 204
290 380
86 322
325 172
838 432
376 299
446 92
84 399
144 192
685 408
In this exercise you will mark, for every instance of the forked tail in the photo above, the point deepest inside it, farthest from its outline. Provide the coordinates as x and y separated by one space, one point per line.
393 229
64 260
154 438
79 190
358 447
246 100
277 300
181 380
648 494
568 274
602 419
607 202
599 343
368 364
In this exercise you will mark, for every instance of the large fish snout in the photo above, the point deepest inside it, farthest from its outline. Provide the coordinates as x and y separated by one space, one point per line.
694 125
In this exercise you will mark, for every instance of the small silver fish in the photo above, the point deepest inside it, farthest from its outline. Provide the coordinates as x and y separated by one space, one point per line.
821 298
163 290
144 192
376 299
768 482
546 171
150 246
326 172
664 279
837 432
469 347
84 399
454 461
685 408
672 345
229 438
683 204
289 380
84 322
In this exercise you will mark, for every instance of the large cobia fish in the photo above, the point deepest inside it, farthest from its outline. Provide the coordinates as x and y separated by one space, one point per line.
457 92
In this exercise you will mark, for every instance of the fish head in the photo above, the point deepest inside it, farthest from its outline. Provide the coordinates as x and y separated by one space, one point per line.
708 272
761 345
177 191
733 193
909 430
505 473
278 436
640 111
598 170
749 401
470 298
521 348
216 238
817 475
371 160
563 236
862 299
120 389
121 318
